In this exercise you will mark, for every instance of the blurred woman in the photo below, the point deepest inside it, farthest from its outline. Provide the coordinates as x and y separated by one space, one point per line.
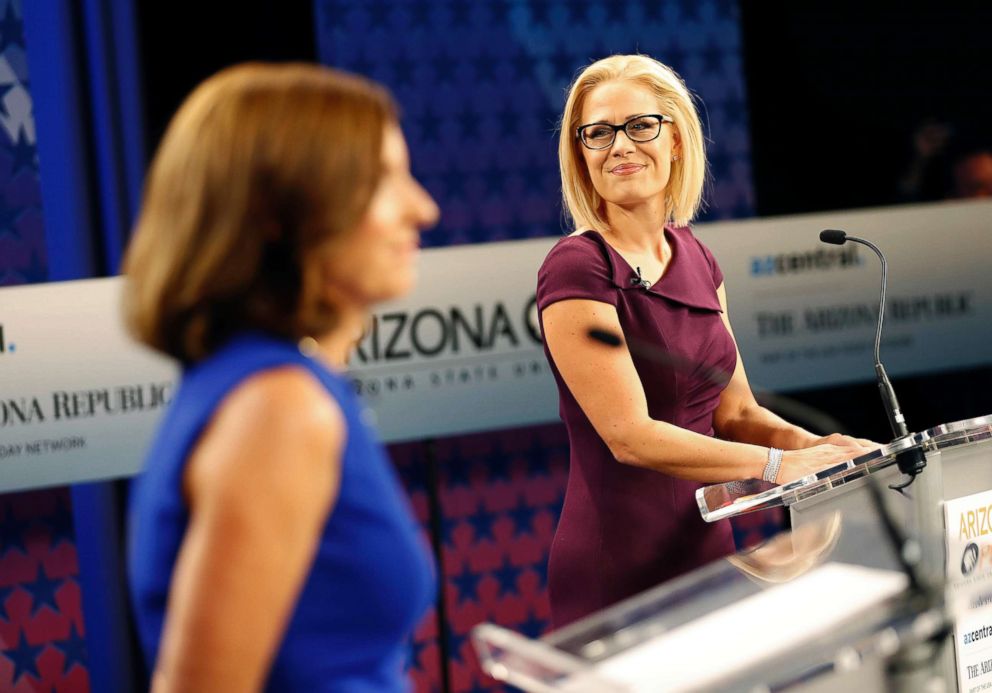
270 543
643 434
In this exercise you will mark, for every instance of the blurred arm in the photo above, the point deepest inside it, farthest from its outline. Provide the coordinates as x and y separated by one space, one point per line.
260 484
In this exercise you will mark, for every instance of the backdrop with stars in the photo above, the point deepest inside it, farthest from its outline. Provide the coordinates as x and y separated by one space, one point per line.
42 634
481 85
22 239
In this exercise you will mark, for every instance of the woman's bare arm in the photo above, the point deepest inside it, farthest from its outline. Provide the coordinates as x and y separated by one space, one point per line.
606 385
260 484
739 416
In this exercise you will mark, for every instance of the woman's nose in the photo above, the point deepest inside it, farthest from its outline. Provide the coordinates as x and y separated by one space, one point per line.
621 143
425 208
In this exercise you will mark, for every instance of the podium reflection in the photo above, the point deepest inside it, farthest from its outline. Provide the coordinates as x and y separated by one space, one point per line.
790 554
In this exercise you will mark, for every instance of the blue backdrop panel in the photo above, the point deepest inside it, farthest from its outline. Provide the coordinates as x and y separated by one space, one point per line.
84 95
23 257
482 84
42 629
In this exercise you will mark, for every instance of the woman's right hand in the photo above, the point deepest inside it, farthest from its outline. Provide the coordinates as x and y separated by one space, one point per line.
799 463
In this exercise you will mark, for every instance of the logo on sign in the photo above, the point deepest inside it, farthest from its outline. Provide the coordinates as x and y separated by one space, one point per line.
969 560
808 261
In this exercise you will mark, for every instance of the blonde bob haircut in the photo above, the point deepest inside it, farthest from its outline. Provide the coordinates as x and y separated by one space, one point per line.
265 169
683 194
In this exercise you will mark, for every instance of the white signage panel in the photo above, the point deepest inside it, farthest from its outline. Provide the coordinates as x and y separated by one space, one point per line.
804 312
79 399
968 522
463 353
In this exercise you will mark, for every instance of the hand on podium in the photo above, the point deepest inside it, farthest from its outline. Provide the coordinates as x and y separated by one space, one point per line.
799 463
841 439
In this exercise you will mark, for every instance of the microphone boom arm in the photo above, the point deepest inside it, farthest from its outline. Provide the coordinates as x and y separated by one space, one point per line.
896 419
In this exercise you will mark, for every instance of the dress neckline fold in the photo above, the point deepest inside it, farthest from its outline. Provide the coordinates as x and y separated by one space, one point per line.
679 283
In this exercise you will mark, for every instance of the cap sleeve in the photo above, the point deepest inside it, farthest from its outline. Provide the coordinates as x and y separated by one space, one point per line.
575 269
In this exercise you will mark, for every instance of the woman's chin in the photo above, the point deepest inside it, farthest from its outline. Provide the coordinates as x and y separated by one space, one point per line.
399 284
631 196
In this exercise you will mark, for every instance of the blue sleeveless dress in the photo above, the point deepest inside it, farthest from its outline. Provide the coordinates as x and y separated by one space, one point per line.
372 577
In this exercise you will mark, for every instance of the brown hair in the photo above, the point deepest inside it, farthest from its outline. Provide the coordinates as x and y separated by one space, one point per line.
263 167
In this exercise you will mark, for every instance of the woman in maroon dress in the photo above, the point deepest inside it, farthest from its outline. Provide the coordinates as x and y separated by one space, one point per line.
643 435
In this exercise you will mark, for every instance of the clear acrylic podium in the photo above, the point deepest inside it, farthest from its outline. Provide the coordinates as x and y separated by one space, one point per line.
825 607
822 608
958 464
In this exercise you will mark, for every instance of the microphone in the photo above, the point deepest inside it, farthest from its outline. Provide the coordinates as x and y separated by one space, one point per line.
833 236
637 280
896 419
913 463
812 418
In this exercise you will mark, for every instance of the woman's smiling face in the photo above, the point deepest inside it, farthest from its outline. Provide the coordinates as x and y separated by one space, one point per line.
628 173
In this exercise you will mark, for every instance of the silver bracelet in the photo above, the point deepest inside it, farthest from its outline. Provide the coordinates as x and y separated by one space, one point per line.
770 474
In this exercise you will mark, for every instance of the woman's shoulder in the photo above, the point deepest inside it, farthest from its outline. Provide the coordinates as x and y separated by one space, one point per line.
578 266
686 237
577 249
695 251
287 399
684 233
266 414
263 372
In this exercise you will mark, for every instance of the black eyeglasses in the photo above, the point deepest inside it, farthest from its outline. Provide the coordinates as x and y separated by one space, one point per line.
642 128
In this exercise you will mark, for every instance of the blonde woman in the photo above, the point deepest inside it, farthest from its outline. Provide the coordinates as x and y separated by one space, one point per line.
270 543
643 435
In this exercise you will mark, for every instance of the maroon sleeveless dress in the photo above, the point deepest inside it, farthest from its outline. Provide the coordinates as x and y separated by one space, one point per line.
625 529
